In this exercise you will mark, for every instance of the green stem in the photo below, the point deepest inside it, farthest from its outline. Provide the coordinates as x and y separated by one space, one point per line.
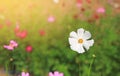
79 69
78 63
6 67
91 66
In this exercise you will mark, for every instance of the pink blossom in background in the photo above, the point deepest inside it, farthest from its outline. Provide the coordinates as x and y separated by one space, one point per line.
88 1
56 73
42 32
110 1
29 48
22 34
51 19
1 26
79 3
25 74
100 10
8 23
17 28
11 45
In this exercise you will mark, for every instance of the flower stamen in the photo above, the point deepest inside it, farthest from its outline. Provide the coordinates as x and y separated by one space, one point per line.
80 41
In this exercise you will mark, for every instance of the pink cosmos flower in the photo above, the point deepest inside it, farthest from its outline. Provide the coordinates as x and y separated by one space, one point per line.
88 1
1 26
42 32
25 74
29 48
100 10
79 3
22 34
56 73
17 28
110 1
11 46
51 19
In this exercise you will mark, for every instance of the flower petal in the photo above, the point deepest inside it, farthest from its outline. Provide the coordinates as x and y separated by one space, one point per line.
81 49
27 74
88 43
23 73
8 47
51 74
51 19
12 42
73 41
61 74
73 34
80 32
87 35
78 48
56 73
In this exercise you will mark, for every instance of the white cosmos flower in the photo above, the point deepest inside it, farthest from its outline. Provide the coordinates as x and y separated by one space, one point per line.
80 40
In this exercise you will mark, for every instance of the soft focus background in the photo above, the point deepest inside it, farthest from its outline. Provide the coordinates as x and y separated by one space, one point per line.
44 27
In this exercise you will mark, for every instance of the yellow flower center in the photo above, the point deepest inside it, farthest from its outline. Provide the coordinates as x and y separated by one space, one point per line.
80 41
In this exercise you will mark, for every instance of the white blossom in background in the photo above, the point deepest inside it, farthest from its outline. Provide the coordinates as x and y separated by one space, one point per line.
56 1
80 40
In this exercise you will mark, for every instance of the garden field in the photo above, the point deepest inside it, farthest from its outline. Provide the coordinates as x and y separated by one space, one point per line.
60 38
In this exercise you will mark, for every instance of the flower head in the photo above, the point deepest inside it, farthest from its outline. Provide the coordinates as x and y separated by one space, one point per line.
22 34
79 3
56 73
80 40
51 19
42 32
25 74
88 1
100 10
29 48
11 45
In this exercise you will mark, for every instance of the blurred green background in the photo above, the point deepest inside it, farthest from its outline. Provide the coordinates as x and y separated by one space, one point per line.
49 40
